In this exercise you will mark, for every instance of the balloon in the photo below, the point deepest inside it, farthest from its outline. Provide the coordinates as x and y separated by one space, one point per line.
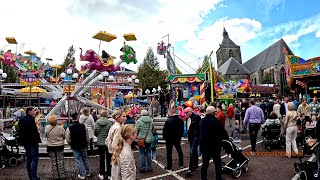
189 104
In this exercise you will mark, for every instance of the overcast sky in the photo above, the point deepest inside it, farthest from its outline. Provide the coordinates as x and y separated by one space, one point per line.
195 27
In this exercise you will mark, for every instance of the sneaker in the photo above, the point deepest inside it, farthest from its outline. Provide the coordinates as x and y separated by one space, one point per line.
2 167
81 177
149 171
200 157
100 176
109 177
143 171
181 166
89 174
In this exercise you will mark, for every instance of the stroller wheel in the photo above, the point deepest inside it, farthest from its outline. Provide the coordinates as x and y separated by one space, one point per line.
237 172
245 167
269 148
303 175
13 161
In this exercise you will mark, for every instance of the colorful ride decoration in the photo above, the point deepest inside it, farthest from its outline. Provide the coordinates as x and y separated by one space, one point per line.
96 63
186 87
34 89
162 49
30 78
233 87
244 85
129 54
8 58
298 67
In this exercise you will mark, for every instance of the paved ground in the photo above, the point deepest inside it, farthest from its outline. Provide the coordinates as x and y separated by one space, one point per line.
259 167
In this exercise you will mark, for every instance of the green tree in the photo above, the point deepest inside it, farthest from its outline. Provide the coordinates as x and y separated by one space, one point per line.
69 59
12 74
149 72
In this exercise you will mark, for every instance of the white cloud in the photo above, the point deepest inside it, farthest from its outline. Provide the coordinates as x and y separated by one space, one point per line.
56 25
268 5
318 34
208 39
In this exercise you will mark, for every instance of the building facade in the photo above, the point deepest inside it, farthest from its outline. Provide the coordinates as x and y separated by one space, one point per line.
267 67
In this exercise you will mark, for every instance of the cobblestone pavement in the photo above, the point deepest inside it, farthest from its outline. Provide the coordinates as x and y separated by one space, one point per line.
260 167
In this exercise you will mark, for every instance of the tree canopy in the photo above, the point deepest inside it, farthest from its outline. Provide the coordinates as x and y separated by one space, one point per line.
69 59
149 72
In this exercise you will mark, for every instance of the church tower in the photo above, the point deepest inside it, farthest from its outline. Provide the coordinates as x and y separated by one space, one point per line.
227 50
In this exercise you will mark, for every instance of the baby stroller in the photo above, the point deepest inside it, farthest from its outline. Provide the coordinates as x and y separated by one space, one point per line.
272 135
9 151
307 168
239 162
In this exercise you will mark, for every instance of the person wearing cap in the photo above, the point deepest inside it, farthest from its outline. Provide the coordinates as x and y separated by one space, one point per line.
212 133
30 139
173 130
254 117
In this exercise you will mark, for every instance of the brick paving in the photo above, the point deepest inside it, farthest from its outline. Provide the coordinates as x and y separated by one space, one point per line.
260 168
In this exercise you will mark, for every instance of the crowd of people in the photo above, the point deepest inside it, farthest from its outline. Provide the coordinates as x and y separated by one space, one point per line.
117 134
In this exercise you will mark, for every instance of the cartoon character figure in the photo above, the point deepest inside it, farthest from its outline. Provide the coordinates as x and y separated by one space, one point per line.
8 58
129 55
161 49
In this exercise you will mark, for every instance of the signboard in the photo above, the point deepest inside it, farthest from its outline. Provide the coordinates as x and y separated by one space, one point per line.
30 77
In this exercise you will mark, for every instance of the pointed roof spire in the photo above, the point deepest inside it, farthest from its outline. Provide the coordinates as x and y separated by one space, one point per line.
225 33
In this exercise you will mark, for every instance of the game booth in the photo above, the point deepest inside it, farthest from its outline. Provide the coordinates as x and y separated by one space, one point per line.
302 76
186 87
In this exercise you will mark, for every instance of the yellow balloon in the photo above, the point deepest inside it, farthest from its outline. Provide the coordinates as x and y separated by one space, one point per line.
315 91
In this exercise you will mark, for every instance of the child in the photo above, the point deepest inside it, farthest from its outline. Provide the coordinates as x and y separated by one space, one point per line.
236 134
313 121
154 145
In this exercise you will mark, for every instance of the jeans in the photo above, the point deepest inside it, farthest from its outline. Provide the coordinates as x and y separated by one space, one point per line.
82 161
169 146
253 131
105 158
32 153
194 143
291 136
163 109
145 152
206 156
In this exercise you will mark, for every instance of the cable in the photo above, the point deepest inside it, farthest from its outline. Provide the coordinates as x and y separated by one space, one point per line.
184 62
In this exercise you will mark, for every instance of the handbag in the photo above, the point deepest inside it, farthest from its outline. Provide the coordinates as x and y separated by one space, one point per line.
141 142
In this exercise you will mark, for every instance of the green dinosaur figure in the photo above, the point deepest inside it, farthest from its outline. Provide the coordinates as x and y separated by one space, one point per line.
129 55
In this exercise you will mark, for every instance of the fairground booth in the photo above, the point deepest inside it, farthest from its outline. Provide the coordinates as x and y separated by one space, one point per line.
303 76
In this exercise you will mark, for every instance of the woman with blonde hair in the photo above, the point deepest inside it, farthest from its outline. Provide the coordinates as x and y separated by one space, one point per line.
55 135
291 128
123 163
115 130
88 121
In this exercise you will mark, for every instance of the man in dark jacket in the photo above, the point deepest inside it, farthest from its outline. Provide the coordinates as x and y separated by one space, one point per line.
30 139
78 138
193 138
172 134
162 100
212 133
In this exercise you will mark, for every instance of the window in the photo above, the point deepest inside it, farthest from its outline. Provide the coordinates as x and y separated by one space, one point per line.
230 53
272 75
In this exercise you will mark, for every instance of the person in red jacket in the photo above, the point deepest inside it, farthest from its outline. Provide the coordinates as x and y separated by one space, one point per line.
230 112
221 116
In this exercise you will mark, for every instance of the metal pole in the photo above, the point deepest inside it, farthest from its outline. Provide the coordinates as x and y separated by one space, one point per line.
68 101
99 48
105 93
30 95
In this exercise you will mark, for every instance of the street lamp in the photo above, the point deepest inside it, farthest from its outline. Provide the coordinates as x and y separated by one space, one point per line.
3 76
70 78
154 90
